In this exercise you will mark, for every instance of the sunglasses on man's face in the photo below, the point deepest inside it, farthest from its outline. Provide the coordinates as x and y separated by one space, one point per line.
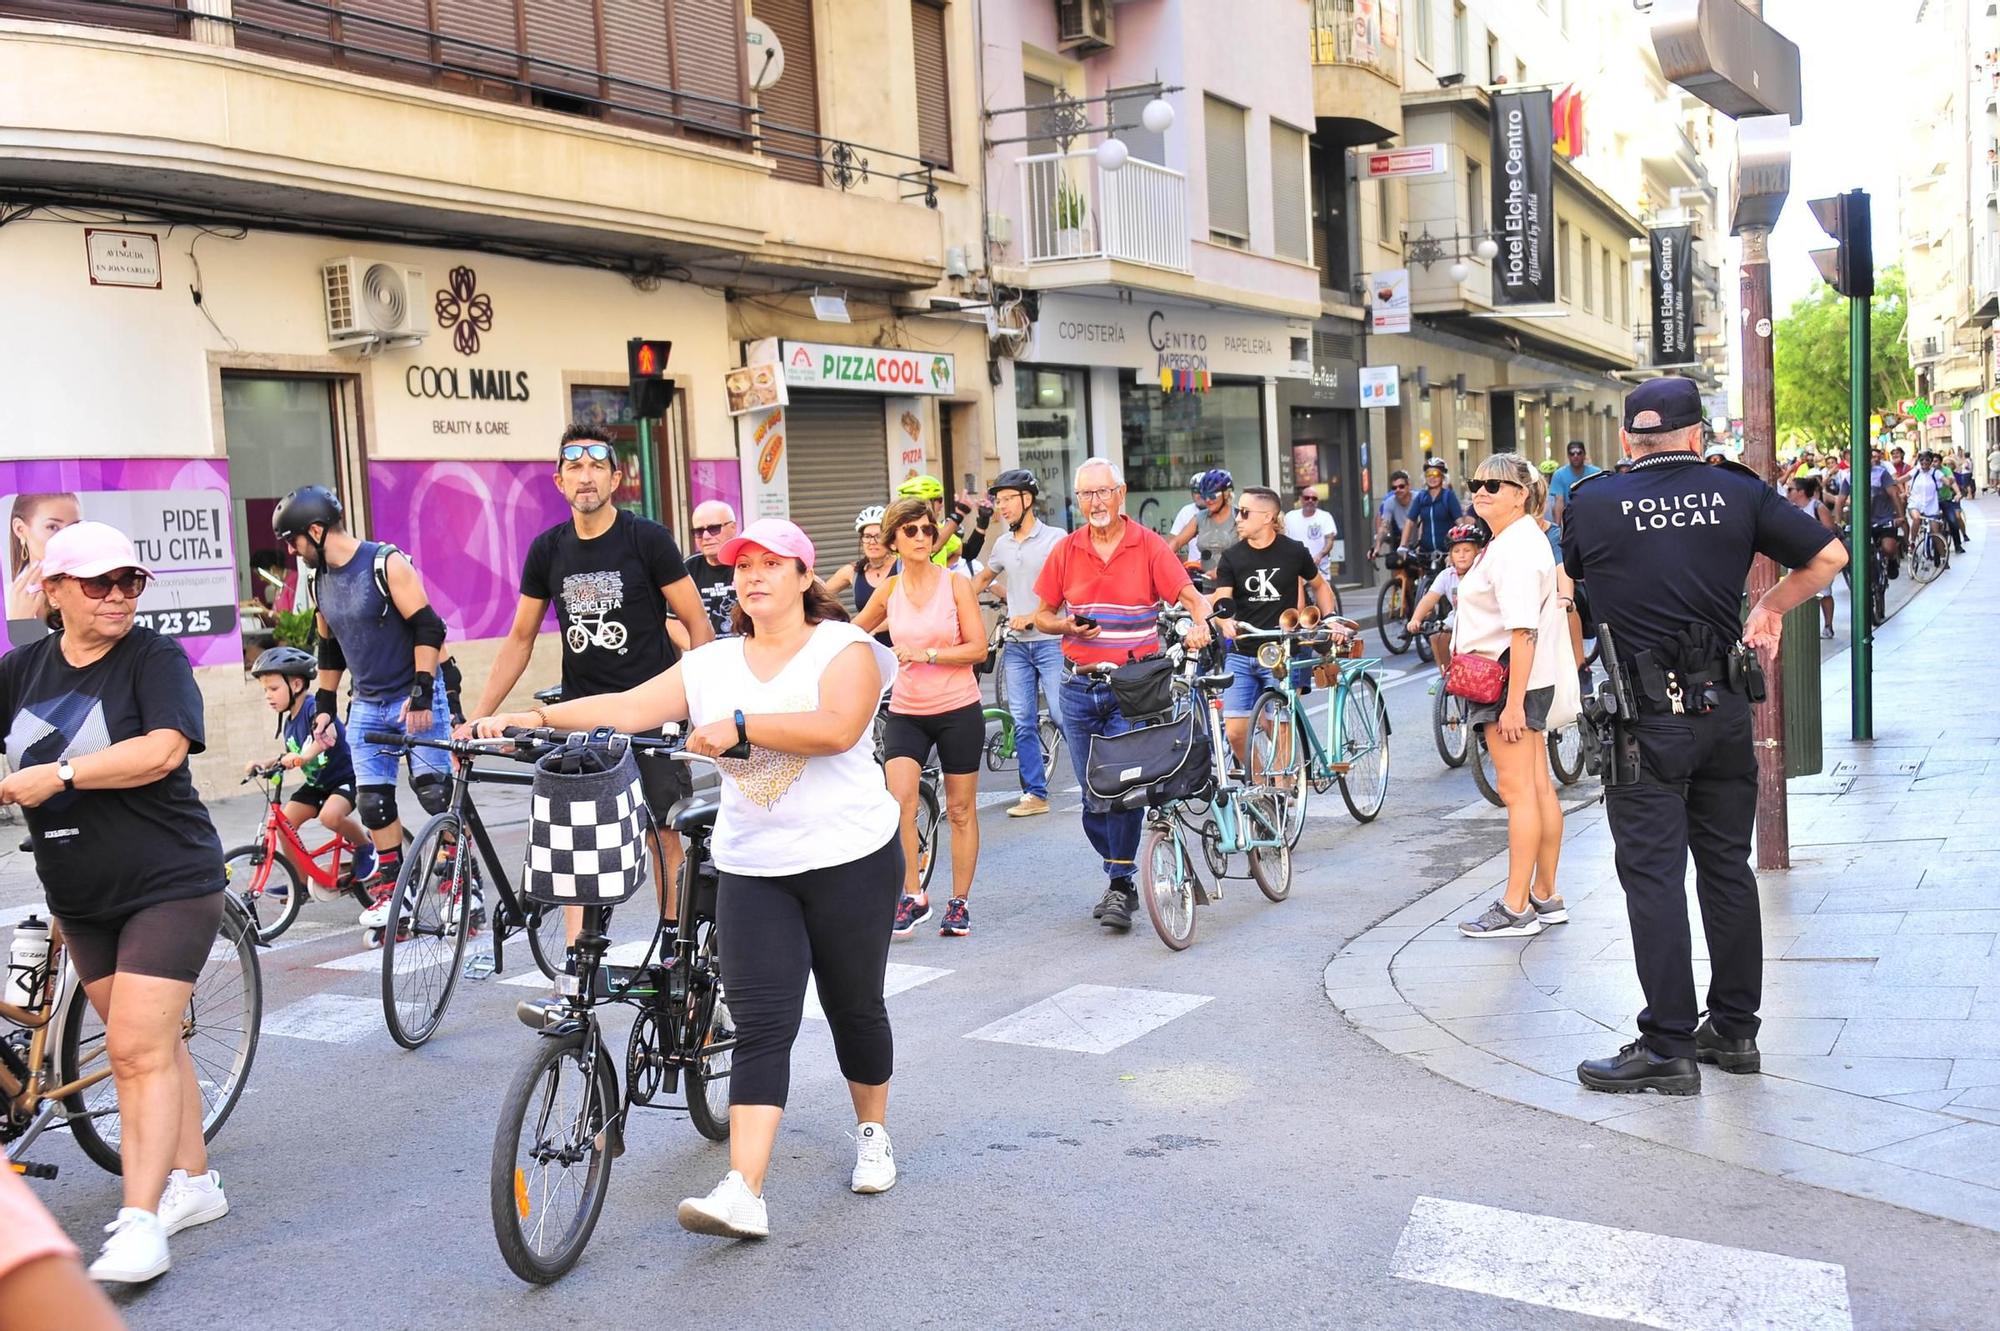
1243 512
578 452
1490 486
927 530
1400 486
711 529
129 581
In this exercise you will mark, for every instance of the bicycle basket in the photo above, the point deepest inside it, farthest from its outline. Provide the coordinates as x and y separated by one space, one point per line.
1145 687
587 827
1152 765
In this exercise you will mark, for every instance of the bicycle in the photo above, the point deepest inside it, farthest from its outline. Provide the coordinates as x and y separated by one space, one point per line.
1000 741
563 1119
1930 553
1393 605
249 868
1355 753
53 1065
1234 817
439 898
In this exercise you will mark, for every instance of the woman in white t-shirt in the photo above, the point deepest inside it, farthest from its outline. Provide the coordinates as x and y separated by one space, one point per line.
1510 610
805 841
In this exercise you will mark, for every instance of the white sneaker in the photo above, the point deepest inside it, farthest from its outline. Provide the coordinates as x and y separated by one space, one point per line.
874 1160
190 1201
136 1251
732 1211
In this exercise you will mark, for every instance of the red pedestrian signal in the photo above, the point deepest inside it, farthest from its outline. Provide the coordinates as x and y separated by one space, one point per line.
646 365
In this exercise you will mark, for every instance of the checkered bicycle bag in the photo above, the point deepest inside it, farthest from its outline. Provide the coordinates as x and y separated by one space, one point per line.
587 826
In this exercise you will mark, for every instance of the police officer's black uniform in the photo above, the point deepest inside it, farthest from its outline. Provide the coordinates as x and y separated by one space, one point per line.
1665 550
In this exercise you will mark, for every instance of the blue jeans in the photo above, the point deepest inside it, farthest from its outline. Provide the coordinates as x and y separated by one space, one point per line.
1089 708
375 764
1248 679
1032 669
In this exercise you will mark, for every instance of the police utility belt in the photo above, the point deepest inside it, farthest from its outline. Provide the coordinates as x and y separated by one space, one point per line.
1684 676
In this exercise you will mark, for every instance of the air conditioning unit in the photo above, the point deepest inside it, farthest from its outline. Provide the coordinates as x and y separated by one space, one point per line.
1083 25
372 303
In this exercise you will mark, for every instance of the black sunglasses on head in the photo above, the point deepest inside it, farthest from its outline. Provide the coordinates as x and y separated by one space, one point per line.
1491 485
578 452
130 581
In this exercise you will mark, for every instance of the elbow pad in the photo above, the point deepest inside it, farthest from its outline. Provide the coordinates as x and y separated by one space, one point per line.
426 628
330 656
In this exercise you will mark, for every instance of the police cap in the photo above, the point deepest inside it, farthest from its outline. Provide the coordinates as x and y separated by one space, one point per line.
1660 405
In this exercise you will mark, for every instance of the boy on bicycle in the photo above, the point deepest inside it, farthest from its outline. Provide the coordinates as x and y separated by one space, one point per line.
1466 538
323 759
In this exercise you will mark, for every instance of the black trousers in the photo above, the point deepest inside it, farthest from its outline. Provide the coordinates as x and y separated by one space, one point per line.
1698 794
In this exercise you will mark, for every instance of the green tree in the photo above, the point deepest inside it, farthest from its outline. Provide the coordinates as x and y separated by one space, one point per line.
1809 360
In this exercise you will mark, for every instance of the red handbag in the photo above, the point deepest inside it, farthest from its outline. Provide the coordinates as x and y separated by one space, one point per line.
1475 678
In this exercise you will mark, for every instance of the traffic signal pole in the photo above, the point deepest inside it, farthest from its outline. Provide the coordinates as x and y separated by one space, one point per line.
1861 631
1760 418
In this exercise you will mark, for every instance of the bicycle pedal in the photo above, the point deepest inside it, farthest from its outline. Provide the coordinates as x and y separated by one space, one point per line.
479 967
31 1169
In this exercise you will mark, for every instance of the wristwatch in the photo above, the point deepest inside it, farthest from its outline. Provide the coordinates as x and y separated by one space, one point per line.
67 773
930 655
742 730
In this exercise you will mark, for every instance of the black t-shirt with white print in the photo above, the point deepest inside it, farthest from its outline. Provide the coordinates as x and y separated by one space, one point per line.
104 854
1264 583
609 605
717 585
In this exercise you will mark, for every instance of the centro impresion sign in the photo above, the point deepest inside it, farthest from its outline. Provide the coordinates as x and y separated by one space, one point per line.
867 369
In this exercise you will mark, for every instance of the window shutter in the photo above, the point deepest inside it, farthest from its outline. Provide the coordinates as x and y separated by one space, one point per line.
378 41
636 47
708 61
792 103
933 83
1039 93
488 34
1126 107
1228 173
314 29
162 23
1290 228
562 33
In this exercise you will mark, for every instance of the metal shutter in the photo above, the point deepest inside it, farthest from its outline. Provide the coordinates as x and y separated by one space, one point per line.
562 33
792 103
708 60
1290 222
268 20
161 22
489 32
387 38
838 448
635 47
1228 174
933 83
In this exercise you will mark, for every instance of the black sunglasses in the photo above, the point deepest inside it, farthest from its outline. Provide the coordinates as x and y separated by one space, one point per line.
129 581
711 529
578 452
926 529
1491 486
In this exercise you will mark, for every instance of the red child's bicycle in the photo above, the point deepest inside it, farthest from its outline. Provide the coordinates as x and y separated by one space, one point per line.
265 878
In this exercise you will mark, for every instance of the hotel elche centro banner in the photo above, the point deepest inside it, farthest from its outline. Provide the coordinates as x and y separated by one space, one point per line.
1524 204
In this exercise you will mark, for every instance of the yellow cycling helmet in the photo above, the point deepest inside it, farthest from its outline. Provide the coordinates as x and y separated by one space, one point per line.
1548 466
921 487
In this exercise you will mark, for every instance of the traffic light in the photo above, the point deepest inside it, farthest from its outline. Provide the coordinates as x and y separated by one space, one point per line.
646 368
1850 267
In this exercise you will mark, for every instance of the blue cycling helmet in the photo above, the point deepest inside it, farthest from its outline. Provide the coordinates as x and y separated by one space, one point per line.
1214 482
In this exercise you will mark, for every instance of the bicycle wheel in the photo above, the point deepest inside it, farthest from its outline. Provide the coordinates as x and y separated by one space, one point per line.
1276 755
1364 744
1927 559
1878 598
708 1074
927 830
1051 743
1166 882
1392 616
423 945
1482 770
252 872
220 1028
1271 866
1425 652
1566 753
544 927
1448 726
551 1157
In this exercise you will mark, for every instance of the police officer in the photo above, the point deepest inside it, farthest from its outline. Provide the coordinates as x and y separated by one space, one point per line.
1666 549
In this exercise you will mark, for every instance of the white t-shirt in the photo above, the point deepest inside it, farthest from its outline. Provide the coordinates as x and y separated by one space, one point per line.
783 813
1445 584
1183 518
1315 533
1924 492
1513 586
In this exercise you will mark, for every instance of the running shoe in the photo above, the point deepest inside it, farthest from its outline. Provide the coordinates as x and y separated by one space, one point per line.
957 919
1114 911
874 1160
191 1200
732 1211
1499 922
136 1251
911 912
1549 910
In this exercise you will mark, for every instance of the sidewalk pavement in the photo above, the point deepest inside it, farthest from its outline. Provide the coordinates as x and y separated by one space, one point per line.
1881 1035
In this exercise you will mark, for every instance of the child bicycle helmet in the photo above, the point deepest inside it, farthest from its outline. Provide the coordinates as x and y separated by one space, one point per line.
921 487
1467 530
870 516
285 661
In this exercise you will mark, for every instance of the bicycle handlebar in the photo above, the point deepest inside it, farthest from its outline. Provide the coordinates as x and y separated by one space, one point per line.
672 742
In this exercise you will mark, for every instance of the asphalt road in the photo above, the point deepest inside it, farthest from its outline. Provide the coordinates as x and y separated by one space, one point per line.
1251 1162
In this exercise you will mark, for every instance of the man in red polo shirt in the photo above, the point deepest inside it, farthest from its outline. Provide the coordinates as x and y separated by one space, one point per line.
1101 591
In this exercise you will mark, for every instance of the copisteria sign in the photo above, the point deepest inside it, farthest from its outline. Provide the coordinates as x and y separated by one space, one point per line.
867 369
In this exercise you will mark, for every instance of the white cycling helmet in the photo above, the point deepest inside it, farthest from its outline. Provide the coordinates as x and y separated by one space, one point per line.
869 517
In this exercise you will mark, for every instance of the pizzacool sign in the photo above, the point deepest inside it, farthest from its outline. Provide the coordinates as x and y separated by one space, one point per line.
867 369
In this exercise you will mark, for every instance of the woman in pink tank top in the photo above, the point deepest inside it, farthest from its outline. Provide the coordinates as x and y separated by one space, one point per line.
938 636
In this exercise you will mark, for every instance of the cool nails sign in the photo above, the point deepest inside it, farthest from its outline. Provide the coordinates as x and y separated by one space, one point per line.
867 369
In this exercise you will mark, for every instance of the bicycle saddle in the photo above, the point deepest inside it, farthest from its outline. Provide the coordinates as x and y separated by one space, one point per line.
691 811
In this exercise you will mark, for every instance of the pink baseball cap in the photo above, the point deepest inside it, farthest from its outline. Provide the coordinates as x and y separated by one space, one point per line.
88 549
774 534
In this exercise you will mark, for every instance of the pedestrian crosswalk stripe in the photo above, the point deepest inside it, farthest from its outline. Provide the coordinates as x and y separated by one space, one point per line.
1090 1018
327 1018
407 960
1623 1275
619 954
898 978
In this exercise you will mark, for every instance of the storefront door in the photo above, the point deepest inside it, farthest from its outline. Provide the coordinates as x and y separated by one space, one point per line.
837 449
1052 430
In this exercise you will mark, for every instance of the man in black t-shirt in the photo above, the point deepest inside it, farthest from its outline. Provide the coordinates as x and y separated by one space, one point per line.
613 577
1264 574
714 522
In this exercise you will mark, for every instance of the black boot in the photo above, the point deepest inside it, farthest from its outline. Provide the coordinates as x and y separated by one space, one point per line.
1727 1054
1637 1068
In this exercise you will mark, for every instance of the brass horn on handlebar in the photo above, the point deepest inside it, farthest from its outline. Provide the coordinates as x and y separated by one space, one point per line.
1308 618
1288 620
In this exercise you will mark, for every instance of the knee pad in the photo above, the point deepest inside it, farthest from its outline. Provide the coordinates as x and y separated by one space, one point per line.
377 806
433 791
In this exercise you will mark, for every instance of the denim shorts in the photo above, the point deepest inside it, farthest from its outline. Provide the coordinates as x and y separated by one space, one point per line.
1247 679
375 764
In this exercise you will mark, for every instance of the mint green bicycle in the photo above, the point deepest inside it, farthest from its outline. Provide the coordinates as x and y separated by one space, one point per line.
1286 752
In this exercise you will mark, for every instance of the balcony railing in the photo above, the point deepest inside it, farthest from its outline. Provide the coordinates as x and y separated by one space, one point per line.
1071 208
1355 32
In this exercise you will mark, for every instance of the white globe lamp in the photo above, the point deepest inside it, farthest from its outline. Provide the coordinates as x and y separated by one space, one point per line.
1111 154
1487 248
1157 116
1459 272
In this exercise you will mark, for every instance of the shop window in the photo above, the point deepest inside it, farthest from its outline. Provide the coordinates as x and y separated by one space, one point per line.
1052 427
1170 436
280 434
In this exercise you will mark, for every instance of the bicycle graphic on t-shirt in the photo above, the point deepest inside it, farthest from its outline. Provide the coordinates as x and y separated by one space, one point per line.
590 599
595 630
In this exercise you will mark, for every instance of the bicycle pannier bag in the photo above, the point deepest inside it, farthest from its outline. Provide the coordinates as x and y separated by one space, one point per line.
587 823
1145 687
1151 765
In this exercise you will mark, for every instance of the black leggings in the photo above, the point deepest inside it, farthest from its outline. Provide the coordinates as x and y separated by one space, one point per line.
833 922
